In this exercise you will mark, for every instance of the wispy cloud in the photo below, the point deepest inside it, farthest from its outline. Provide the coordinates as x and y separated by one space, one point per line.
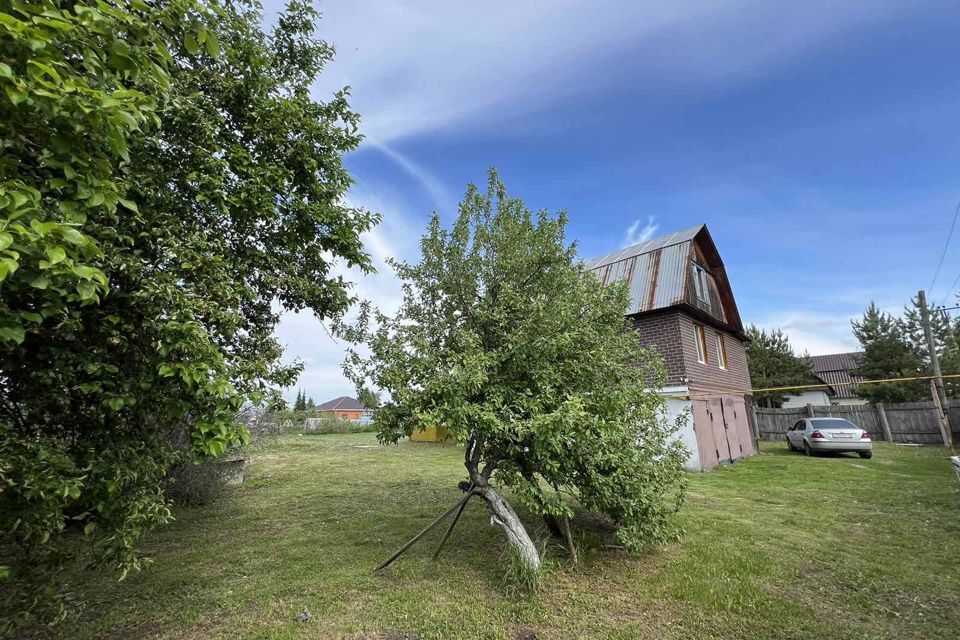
813 333
637 233
306 339
438 192
430 65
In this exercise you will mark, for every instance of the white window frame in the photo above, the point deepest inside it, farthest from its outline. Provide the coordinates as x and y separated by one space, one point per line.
701 338
721 351
701 285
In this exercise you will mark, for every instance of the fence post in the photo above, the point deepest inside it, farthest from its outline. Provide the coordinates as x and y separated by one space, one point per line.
810 411
883 422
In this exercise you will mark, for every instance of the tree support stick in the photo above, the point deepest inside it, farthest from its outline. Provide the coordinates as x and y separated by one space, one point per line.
463 505
424 532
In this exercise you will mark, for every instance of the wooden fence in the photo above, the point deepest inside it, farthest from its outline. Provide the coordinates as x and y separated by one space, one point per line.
910 422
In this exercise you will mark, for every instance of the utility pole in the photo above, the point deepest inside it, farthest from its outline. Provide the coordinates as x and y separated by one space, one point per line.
932 348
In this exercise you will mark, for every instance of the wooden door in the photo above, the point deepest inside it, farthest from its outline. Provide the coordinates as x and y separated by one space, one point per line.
742 421
703 428
720 436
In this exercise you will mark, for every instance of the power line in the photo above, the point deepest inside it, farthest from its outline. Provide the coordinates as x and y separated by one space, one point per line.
697 395
943 254
955 282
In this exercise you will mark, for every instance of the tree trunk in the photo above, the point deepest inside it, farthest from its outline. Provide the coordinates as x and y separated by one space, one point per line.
502 514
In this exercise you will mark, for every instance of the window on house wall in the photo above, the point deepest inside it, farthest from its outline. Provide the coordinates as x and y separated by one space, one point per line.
701 285
701 343
721 351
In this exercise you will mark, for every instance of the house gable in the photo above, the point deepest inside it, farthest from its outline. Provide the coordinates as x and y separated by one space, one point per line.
679 270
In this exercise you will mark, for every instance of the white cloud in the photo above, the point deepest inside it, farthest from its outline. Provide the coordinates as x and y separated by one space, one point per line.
438 193
305 338
637 234
423 66
435 65
814 333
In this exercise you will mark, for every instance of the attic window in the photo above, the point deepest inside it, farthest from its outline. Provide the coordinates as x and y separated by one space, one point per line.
700 283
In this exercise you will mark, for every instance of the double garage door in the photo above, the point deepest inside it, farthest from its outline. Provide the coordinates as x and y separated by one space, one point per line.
723 431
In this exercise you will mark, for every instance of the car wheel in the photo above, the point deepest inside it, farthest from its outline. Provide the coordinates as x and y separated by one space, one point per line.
790 445
806 448
865 454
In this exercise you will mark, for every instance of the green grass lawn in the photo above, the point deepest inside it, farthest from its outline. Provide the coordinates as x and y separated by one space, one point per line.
775 546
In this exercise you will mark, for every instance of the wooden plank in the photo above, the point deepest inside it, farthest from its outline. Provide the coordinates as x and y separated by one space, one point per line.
941 416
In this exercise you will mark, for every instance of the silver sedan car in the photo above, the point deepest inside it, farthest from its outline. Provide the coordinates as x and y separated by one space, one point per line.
815 435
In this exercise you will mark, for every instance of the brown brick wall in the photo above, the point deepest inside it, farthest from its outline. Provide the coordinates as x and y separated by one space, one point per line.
709 376
662 332
672 335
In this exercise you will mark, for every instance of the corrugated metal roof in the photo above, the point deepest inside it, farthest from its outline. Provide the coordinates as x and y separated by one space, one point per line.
656 270
835 369
837 361
644 247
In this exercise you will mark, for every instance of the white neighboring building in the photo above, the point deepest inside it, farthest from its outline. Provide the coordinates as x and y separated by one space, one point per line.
836 370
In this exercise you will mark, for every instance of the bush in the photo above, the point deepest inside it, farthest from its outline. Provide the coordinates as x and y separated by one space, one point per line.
326 424
197 483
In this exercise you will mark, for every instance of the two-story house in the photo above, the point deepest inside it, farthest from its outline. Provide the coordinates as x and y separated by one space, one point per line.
682 305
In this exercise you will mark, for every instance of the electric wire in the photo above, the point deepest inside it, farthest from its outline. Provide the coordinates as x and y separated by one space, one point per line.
943 254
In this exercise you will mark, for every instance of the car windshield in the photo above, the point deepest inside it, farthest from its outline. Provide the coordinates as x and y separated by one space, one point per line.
832 424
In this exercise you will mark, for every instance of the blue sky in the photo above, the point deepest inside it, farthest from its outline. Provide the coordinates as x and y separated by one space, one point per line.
817 140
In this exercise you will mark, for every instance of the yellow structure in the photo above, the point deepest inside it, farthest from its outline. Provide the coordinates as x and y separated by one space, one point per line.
431 434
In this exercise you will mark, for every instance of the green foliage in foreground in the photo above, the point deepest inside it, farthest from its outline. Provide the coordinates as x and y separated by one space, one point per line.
167 185
776 546
529 362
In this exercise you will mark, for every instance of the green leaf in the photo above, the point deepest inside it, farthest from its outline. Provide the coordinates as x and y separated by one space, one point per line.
129 204
15 95
87 291
56 254
12 334
73 236
5 240
191 44
213 45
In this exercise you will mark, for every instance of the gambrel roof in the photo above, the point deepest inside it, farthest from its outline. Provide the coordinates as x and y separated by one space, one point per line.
659 275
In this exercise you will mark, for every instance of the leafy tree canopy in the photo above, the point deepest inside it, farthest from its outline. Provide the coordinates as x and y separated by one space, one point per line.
946 338
897 348
168 185
503 338
773 363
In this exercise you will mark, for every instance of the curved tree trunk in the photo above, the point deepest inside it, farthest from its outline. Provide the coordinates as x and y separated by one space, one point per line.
502 514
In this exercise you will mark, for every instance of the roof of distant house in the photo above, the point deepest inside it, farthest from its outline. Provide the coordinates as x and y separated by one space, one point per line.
343 403
837 368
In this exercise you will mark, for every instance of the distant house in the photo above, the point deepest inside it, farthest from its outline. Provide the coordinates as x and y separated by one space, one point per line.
837 372
682 305
344 408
